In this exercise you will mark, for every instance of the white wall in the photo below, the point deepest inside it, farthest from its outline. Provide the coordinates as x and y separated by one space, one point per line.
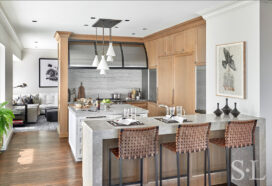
27 71
235 25
266 79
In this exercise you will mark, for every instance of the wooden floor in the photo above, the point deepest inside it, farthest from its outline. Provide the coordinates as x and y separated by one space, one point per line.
39 158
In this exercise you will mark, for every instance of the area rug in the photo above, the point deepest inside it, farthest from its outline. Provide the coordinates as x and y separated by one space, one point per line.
41 125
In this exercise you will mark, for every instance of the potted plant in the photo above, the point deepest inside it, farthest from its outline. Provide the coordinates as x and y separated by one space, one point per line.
6 118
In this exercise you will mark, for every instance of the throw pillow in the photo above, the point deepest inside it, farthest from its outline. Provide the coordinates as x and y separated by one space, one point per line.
36 99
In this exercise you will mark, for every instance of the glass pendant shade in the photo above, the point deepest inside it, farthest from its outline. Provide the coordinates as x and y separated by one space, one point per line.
110 58
95 61
103 72
103 65
110 51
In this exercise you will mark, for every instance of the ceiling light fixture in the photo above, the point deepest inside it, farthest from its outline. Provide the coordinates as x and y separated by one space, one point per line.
36 42
85 25
103 65
34 21
144 28
93 18
127 20
95 61
110 52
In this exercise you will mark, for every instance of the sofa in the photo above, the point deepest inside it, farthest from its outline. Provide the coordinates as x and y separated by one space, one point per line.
34 102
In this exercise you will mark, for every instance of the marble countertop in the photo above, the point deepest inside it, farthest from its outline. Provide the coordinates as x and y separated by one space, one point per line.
115 109
217 123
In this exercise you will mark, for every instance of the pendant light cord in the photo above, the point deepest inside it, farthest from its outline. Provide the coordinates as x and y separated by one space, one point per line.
110 35
103 39
96 53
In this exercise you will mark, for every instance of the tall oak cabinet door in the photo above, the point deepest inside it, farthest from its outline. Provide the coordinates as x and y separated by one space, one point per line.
165 80
184 82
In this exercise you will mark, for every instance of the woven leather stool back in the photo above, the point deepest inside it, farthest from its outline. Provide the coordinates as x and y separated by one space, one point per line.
138 142
240 133
192 138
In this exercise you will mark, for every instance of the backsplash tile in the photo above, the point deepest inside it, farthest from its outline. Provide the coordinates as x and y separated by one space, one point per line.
115 81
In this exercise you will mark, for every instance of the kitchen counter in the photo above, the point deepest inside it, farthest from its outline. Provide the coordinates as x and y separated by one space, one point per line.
115 109
97 132
76 116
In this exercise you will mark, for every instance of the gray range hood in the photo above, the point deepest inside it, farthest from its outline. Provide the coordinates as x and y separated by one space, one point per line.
128 55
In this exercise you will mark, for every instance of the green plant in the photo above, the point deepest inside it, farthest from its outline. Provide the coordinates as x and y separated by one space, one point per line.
6 117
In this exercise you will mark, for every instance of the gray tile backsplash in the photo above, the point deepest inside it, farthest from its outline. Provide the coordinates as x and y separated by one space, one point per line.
115 81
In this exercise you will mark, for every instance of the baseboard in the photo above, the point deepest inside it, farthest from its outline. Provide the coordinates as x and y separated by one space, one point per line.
6 142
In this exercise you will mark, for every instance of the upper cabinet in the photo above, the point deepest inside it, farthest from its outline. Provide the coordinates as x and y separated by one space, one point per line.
191 39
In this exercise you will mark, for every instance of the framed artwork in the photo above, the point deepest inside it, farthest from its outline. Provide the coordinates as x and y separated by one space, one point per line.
48 72
230 70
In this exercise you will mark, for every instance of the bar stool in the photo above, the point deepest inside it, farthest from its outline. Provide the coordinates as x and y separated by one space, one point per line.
136 143
238 134
189 138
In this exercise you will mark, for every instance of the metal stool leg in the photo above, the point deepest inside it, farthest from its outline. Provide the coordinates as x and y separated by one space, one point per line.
178 170
156 169
209 168
254 158
188 168
120 172
205 167
160 164
141 171
230 165
227 164
109 168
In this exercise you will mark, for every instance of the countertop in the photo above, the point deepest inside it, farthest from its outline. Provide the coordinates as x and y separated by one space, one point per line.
115 109
217 123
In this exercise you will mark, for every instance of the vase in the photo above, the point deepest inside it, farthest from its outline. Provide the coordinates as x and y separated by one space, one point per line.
235 112
217 112
226 109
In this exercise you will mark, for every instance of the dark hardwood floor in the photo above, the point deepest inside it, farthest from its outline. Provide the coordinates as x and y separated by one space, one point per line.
39 158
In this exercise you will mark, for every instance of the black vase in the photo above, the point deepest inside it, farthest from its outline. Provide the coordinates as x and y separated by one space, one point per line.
217 112
235 112
226 109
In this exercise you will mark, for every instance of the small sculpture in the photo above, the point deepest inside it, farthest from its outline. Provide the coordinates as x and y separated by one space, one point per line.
218 112
235 112
226 109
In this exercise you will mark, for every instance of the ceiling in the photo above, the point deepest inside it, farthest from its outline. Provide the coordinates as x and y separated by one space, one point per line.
71 16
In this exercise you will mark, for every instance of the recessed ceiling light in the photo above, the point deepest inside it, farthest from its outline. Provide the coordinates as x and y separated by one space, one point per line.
144 28
132 33
127 20
36 47
34 21
36 42
116 27
85 25
93 18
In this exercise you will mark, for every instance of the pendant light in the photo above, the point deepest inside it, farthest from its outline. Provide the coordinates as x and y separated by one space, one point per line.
103 65
95 61
110 51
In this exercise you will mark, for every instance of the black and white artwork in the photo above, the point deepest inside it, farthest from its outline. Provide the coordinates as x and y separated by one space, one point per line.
48 72
230 70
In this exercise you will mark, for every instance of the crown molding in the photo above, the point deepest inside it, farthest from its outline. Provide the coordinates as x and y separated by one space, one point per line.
9 28
207 14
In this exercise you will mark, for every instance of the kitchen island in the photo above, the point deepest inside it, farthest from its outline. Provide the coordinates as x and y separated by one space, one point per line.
76 116
99 135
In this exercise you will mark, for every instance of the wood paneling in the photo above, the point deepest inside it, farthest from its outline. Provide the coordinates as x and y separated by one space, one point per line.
62 38
179 42
39 158
165 81
184 82
99 37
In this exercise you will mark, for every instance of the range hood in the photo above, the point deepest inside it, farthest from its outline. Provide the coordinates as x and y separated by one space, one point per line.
128 55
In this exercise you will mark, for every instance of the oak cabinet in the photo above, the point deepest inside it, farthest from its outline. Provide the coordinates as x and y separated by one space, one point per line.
165 80
151 54
178 44
169 48
184 82
201 44
160 46
189 39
